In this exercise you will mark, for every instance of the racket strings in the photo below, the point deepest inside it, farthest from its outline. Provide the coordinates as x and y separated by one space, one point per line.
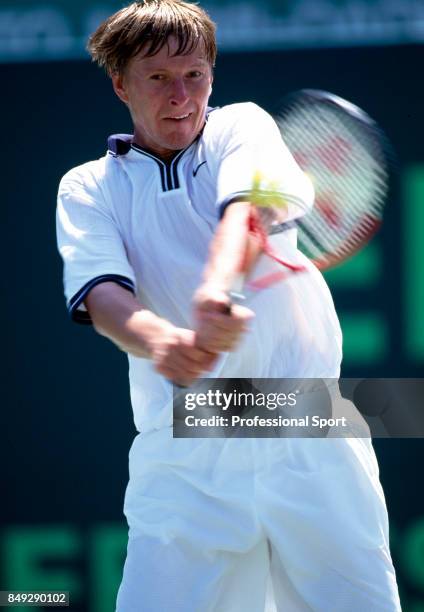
345 161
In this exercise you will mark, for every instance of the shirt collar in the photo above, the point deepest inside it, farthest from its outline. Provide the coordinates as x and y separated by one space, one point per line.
119 144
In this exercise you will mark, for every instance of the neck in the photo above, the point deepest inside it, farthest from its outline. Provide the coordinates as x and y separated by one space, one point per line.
165 155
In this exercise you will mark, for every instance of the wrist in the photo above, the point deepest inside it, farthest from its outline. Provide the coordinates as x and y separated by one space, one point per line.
215 285
146 329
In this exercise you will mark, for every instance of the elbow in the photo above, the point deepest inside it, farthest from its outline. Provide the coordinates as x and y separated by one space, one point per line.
98 327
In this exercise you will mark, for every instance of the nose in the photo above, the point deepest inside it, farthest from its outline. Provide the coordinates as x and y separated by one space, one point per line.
178 94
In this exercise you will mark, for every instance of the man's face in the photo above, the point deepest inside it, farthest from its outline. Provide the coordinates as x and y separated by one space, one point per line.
167 97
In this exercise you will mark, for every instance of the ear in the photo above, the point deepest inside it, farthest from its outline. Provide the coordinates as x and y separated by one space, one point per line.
119 87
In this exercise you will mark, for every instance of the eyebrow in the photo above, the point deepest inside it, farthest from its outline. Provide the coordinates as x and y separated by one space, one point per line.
197 60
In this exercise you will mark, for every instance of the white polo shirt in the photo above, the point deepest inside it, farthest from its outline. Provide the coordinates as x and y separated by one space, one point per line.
131 218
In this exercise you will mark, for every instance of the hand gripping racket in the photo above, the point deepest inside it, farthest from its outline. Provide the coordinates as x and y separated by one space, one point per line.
349 161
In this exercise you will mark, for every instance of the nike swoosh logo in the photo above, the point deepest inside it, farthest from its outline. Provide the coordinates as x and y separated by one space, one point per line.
199 166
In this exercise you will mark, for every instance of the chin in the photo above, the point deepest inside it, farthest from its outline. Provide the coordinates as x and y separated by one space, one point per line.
181 142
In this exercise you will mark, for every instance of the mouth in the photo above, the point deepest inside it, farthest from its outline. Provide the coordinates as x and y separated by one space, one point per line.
179 117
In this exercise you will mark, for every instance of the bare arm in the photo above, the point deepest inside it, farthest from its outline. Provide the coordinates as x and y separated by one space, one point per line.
118 315
233 252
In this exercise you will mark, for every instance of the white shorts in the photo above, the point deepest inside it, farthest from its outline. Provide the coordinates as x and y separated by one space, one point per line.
214 521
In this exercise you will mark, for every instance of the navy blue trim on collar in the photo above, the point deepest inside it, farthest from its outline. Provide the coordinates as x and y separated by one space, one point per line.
160 162
82 316
168 170
119 144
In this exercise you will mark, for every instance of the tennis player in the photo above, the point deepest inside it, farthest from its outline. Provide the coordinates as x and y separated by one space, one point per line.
153 236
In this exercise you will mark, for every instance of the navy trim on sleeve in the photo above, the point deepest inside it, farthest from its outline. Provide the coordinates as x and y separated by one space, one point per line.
246 196
82 316
240 196
168 170
282 227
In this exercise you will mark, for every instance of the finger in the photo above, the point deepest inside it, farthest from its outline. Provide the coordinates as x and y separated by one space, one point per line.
235 323
214 306
178 378
178 364
224 346
211 360
199 356
218 342
182 379
241 313
203 361
182 383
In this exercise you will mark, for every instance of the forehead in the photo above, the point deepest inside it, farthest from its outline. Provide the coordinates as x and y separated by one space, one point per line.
167 58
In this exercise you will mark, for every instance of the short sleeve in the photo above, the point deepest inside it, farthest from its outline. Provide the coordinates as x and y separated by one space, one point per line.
89 241
253 155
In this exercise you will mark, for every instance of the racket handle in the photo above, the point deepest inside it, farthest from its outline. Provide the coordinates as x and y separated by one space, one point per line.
236 294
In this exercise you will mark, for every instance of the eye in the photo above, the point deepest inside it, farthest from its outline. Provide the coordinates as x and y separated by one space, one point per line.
195 74
157 77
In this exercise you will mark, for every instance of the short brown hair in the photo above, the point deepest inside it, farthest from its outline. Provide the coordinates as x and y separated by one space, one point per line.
148 25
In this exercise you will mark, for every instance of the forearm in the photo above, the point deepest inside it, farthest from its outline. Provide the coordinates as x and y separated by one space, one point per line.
119 316
233 250
220 324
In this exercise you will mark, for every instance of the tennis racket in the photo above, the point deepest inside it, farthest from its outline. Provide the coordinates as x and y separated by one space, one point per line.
349 161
